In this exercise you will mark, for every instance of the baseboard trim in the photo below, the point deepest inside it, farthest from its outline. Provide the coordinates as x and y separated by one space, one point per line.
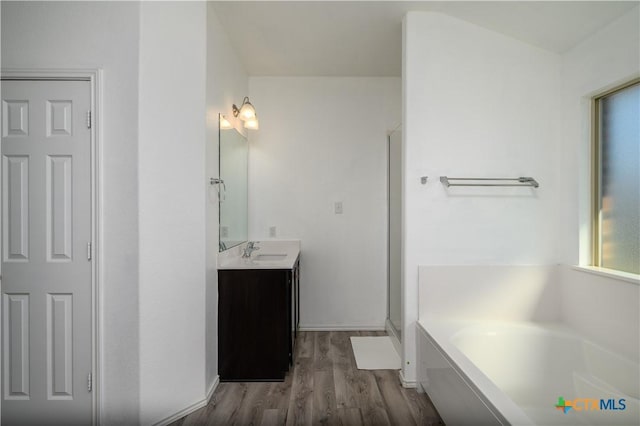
342 327
394 337
408 384
193 407
212 388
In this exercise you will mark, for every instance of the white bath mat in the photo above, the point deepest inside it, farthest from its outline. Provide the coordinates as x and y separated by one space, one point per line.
375 353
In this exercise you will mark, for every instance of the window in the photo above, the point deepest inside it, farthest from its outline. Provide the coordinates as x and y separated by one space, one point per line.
616 180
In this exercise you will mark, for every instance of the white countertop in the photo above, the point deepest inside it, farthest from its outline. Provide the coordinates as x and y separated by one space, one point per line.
272 254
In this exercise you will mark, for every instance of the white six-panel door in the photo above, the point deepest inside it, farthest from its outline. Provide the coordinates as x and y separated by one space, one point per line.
46 270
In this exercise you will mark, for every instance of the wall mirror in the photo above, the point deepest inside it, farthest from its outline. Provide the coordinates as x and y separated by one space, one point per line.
233 199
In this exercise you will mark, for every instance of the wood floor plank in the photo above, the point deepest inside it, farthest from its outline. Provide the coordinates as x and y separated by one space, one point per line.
305 344
252 406
350 416
226 402
324 387
301 402
368 396
375 417
271 417
368 391
324 399
346 386
370 400
395 403
343 370
321 358
279 394
372 333
340 346
422 410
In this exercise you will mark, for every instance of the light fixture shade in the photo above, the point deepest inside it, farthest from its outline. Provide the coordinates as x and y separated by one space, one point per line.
252 123
247 111
224 123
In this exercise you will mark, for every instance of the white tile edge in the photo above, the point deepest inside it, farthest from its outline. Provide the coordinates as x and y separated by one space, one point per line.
609 273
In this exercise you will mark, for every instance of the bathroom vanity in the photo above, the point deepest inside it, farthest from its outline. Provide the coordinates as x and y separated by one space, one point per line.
258 312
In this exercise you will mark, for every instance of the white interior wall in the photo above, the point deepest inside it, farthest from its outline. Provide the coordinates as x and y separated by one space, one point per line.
171 204
76 35
476 104
227 83
603 308
321 141
491 292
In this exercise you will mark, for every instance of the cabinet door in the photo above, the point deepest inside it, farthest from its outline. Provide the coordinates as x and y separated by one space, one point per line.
253 312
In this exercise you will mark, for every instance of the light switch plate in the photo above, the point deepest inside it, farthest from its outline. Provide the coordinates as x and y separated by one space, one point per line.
338 207
272 231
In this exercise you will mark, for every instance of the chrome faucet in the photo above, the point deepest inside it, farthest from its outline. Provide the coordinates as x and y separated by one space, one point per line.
250 248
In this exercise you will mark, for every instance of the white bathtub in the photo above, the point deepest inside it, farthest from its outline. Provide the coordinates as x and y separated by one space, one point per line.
513 373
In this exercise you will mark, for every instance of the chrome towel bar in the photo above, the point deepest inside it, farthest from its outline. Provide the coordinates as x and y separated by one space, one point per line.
522 181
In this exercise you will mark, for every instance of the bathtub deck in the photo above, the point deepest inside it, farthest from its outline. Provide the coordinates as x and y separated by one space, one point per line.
508 371
323 387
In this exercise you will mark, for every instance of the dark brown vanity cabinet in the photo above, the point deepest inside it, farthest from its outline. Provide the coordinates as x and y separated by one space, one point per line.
258 320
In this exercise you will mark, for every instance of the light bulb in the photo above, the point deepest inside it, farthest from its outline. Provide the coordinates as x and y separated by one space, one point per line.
247 111
252 124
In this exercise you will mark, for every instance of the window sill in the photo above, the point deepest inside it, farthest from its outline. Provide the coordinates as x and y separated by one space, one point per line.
610 273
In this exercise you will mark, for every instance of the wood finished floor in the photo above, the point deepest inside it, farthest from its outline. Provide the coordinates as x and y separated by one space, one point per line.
323 388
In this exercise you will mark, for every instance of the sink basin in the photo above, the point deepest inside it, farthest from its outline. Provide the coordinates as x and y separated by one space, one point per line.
269 257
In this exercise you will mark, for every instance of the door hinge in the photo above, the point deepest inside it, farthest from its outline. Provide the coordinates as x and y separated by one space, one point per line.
89 119
89 382
89 251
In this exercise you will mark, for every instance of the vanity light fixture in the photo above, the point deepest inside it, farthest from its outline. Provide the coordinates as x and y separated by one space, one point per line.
247 113
224 123
246 110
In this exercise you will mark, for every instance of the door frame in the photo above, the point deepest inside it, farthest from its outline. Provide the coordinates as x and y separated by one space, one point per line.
94 77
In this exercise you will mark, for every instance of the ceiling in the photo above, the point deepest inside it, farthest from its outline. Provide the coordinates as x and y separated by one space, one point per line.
364 38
